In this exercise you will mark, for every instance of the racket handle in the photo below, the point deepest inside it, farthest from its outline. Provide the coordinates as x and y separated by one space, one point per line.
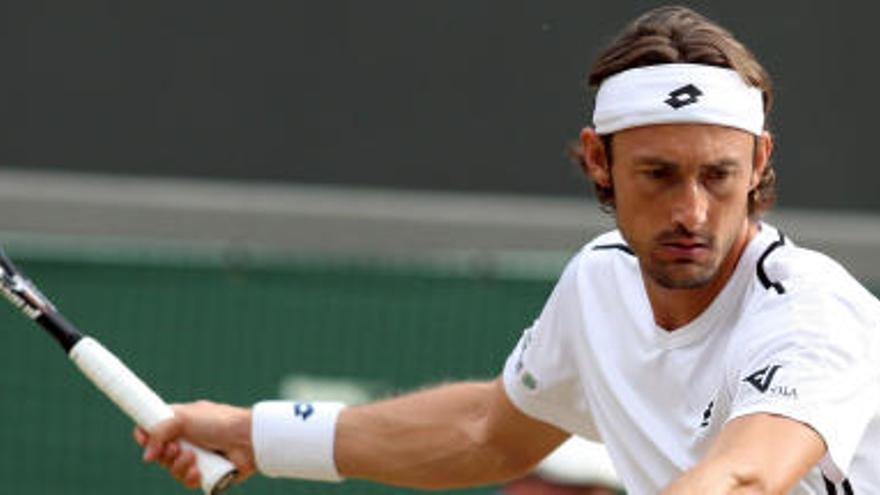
142 405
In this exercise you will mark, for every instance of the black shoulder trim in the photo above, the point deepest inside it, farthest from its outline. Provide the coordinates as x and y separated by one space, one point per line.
762 275
622 247
830 489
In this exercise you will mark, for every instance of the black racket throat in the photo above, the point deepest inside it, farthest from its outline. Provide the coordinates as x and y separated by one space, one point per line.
61 330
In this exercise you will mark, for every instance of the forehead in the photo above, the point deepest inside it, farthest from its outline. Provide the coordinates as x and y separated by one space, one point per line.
684 143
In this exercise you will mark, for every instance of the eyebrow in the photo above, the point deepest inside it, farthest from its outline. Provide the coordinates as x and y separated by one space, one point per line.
662 162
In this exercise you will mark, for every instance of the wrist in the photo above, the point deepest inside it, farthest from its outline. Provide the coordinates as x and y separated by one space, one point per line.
241 426
295 439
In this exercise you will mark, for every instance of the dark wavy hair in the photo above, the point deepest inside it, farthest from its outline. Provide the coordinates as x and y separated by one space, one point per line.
675 34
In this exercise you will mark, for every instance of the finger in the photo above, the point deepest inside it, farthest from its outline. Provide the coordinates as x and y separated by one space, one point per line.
160 435
151 453
169 454
242 474
140 436
244 468
193 477
182 464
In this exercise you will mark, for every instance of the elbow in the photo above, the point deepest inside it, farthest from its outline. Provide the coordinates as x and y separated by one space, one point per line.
479 460
508 441
499 464
498 459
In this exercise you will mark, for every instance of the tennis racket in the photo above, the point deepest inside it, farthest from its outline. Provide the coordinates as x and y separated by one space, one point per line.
106 371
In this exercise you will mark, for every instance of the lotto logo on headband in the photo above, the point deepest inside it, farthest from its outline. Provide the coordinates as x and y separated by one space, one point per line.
683 96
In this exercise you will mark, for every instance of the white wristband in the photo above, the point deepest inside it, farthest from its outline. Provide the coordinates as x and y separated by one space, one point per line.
295 439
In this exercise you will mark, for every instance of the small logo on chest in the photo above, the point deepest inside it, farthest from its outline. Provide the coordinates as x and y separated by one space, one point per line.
707 415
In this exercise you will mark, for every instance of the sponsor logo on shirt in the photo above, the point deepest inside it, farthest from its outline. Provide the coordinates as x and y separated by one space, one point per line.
762 380
526 341
529 381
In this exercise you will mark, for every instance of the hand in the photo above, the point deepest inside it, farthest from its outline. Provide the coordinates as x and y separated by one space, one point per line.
217 427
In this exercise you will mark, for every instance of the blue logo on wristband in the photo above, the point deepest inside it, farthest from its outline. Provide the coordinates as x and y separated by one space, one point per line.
303 410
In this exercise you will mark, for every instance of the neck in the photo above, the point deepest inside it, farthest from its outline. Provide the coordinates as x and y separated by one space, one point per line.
674 308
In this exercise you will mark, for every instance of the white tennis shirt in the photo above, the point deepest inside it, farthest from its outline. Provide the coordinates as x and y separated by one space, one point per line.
792 333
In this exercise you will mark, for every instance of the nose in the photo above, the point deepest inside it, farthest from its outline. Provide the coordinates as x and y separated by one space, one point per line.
691 206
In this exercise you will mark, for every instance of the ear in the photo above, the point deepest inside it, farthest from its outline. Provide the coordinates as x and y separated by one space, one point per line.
595 161
763 150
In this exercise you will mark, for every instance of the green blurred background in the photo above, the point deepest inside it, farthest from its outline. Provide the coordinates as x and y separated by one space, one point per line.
232 331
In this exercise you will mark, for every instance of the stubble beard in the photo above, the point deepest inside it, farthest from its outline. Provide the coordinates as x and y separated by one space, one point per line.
686 273
667 274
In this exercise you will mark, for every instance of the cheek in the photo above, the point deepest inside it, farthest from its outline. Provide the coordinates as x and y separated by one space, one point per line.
734 201
638 216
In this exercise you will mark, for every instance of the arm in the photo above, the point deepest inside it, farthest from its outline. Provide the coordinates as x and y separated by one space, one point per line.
455 435
755 454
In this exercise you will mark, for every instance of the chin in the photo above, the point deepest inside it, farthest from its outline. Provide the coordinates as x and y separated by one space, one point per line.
683 278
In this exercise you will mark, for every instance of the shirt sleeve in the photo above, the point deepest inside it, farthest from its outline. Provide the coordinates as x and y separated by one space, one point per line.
812 358
541 374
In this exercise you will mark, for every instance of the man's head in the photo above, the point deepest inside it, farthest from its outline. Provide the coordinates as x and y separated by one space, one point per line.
686 171
668 35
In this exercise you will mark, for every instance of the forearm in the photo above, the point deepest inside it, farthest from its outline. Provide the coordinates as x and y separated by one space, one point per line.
758 454
436 438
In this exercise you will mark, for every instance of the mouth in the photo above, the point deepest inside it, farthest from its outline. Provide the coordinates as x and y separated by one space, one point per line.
684 249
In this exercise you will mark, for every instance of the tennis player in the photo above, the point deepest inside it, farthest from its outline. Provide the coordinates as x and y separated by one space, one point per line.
709 352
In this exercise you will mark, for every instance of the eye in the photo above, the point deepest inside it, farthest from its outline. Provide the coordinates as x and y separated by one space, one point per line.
718 173
657 173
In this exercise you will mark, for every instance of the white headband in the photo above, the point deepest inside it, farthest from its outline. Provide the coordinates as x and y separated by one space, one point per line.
678 94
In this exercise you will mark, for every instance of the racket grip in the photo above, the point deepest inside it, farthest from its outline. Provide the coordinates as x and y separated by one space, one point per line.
144 406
